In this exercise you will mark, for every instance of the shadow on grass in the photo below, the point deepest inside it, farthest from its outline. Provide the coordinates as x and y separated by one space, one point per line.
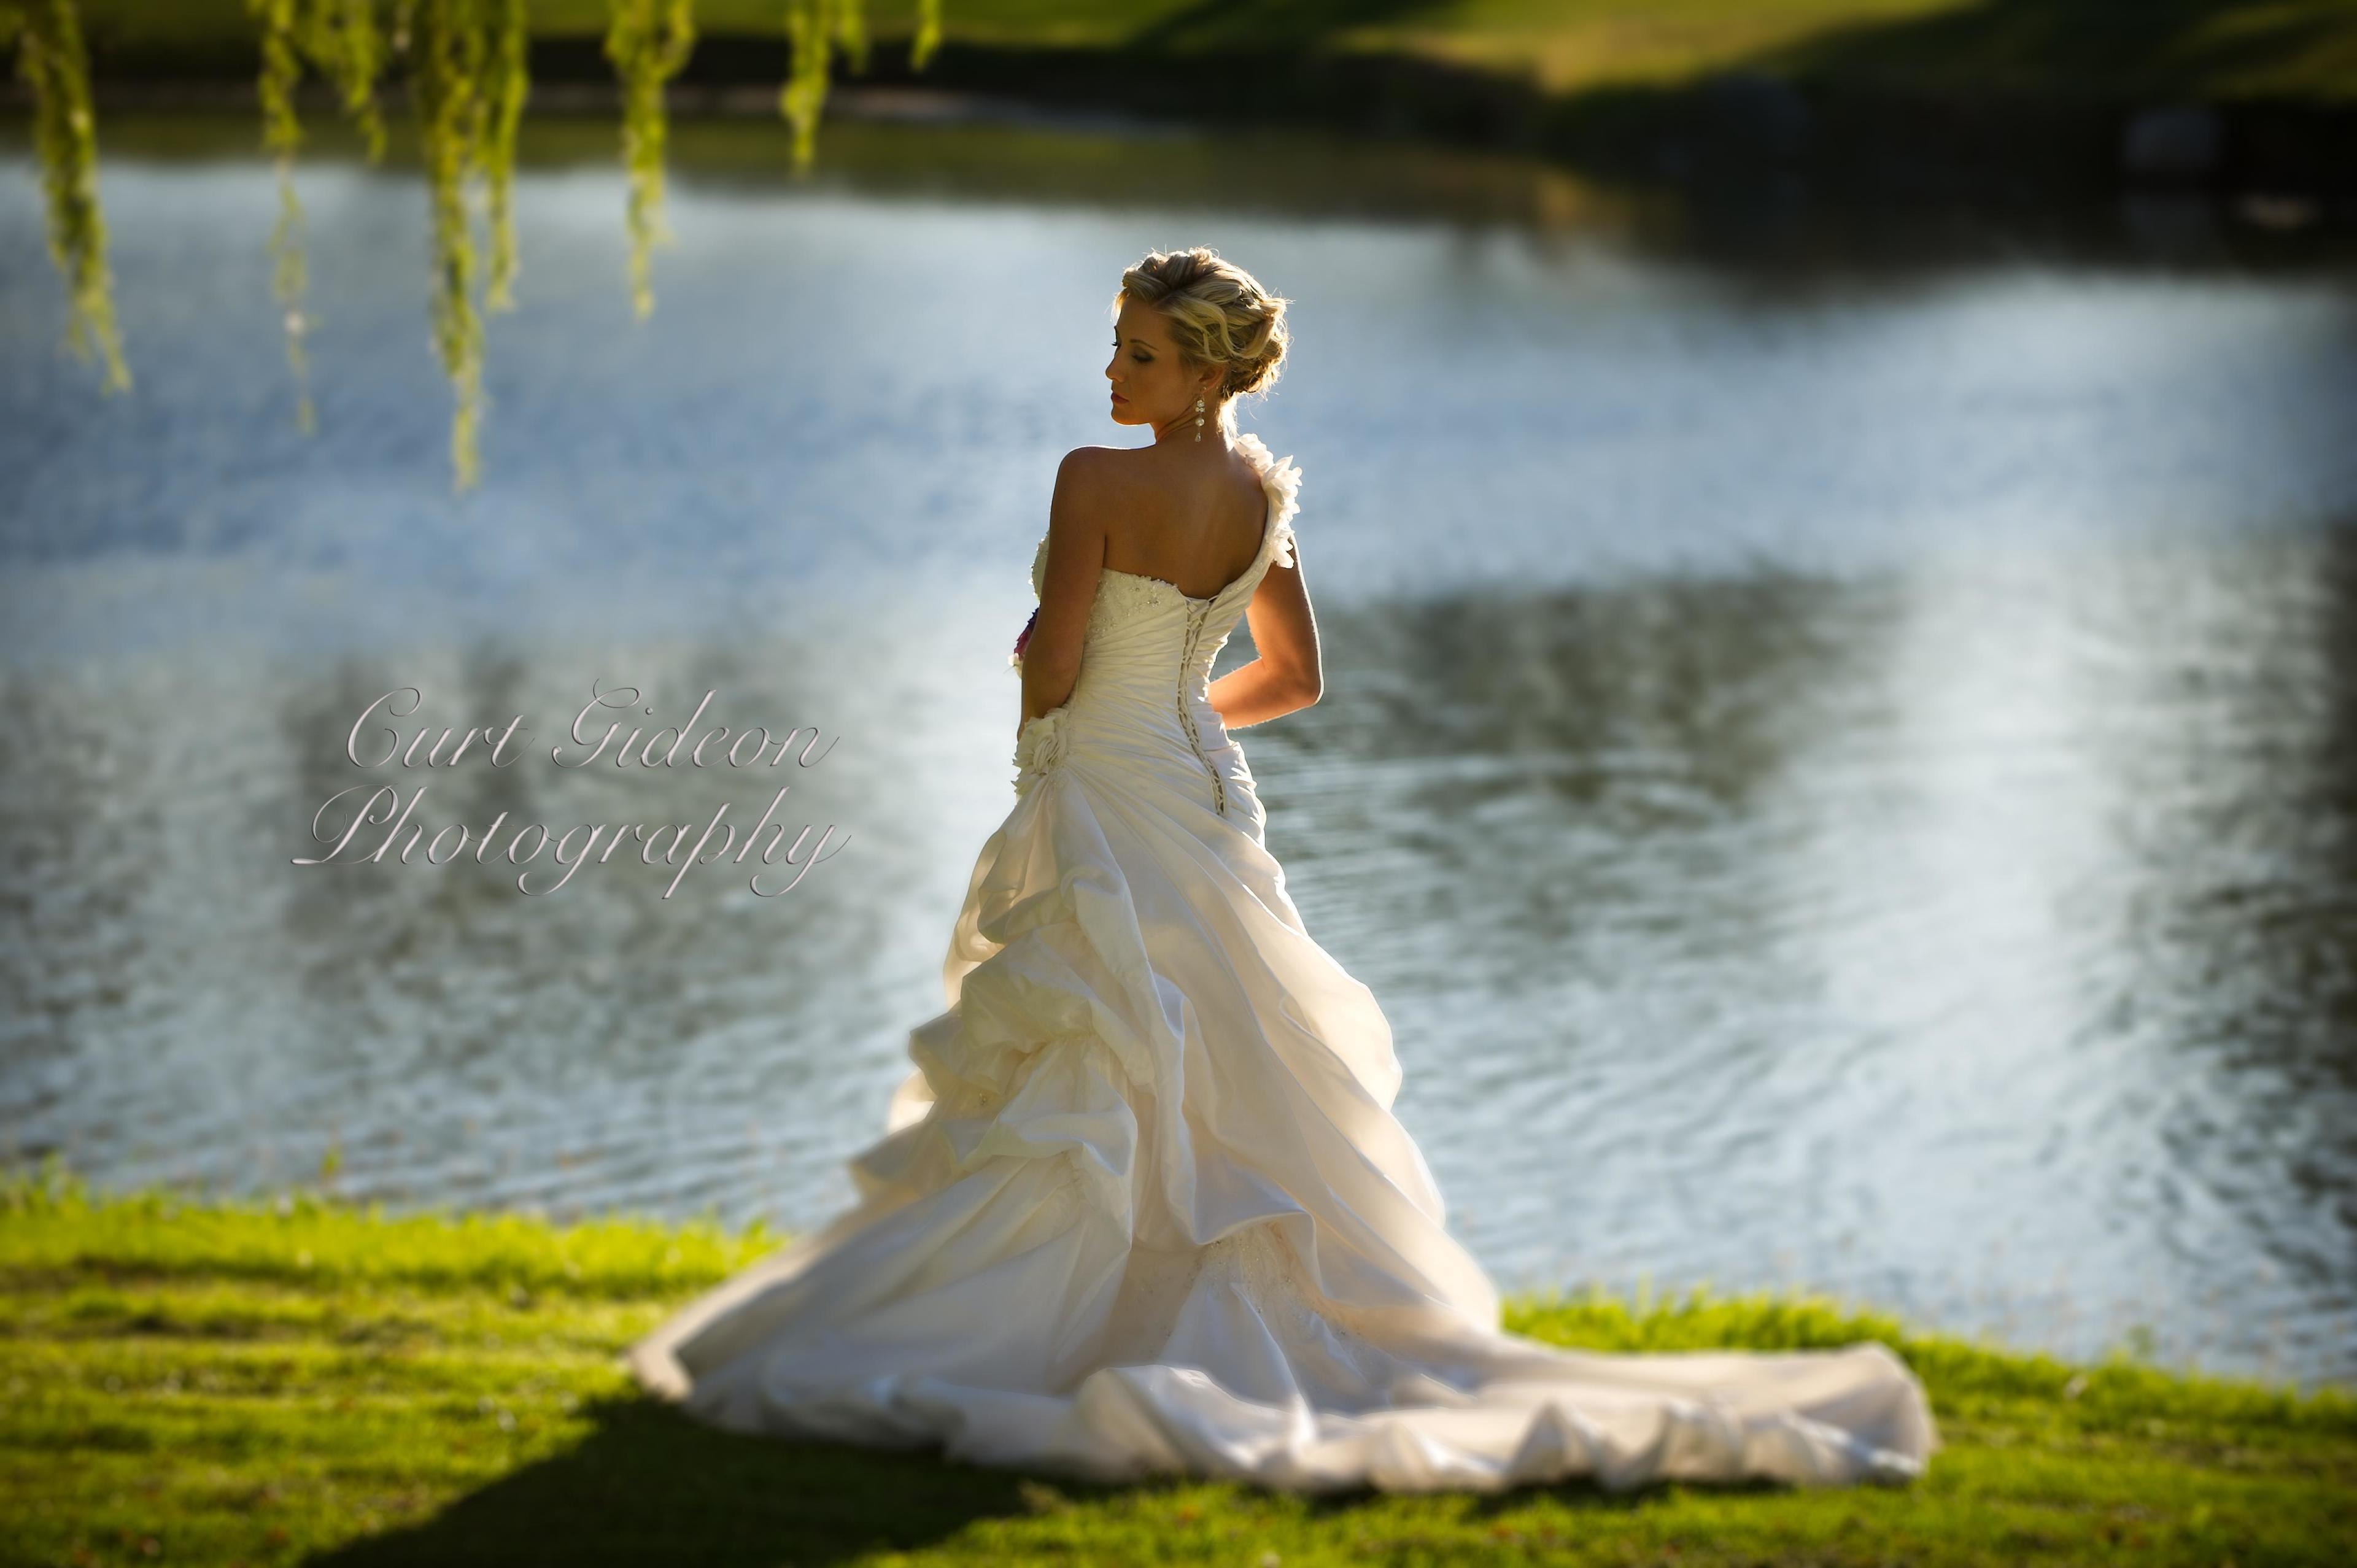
651 1486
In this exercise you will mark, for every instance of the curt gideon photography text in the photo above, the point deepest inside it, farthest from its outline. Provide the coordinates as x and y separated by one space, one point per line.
373 744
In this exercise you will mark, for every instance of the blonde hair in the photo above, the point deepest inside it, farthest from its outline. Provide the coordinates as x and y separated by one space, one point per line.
1218 315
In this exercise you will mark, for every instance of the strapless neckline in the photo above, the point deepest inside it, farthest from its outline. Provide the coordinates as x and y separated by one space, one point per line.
1267 533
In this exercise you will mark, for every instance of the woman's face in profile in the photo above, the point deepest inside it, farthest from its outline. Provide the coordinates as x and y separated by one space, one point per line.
1150 385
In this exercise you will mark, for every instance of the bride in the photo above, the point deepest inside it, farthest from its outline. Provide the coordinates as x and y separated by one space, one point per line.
1143 1207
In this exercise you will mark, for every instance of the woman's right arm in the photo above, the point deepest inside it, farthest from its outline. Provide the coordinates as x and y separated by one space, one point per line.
1287 676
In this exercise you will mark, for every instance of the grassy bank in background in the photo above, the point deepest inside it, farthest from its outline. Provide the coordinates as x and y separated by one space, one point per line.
275 1381
2203 48
2013 100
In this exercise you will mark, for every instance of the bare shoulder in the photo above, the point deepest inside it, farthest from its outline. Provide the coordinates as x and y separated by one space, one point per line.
1087 488
1087 466
1109 482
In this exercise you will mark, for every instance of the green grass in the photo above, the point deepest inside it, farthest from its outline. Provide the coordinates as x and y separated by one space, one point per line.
272 1382
2218 48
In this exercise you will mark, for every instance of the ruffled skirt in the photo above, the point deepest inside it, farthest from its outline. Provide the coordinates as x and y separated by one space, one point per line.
1142 1208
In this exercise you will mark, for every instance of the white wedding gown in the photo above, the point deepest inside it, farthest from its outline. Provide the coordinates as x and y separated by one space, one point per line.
1143 1207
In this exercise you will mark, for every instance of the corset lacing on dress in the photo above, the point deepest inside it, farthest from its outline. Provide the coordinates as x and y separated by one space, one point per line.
1199 612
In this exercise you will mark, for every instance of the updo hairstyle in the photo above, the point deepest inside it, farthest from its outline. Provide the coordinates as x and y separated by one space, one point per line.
1218 315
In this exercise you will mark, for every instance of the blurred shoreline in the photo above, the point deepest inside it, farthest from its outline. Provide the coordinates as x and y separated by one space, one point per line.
1842 132
1780 226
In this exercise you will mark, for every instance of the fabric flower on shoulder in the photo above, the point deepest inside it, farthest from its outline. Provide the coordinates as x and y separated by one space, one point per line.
1280 474
1038 749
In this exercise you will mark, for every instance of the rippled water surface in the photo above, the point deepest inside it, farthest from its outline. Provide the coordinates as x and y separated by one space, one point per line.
1841 772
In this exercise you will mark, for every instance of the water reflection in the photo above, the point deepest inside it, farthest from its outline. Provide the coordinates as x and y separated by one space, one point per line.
1839 777
464 1043
1874 933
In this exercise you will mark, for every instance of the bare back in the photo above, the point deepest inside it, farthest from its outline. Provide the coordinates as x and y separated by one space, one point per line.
1195 521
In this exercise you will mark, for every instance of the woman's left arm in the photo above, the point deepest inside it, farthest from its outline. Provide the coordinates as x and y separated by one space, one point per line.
1076 549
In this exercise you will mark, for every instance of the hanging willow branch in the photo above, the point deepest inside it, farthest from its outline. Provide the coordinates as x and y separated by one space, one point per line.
929 34
282 134
816 26
467 85
469 80
350 50
468 67
339 38
50 58
648 41
851 32
449 115
510 85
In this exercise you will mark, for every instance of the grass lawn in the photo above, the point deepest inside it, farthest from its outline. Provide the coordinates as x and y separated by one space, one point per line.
272 1382
2218 48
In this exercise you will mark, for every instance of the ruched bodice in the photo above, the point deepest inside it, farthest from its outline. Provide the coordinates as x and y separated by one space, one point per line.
1143 693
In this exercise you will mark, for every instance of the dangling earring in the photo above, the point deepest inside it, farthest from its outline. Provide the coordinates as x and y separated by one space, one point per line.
1198 419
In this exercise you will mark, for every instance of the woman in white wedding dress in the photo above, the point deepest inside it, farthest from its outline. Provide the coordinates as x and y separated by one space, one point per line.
1143 1207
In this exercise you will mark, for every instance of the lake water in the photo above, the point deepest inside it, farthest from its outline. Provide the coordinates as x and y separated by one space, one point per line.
1839 761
